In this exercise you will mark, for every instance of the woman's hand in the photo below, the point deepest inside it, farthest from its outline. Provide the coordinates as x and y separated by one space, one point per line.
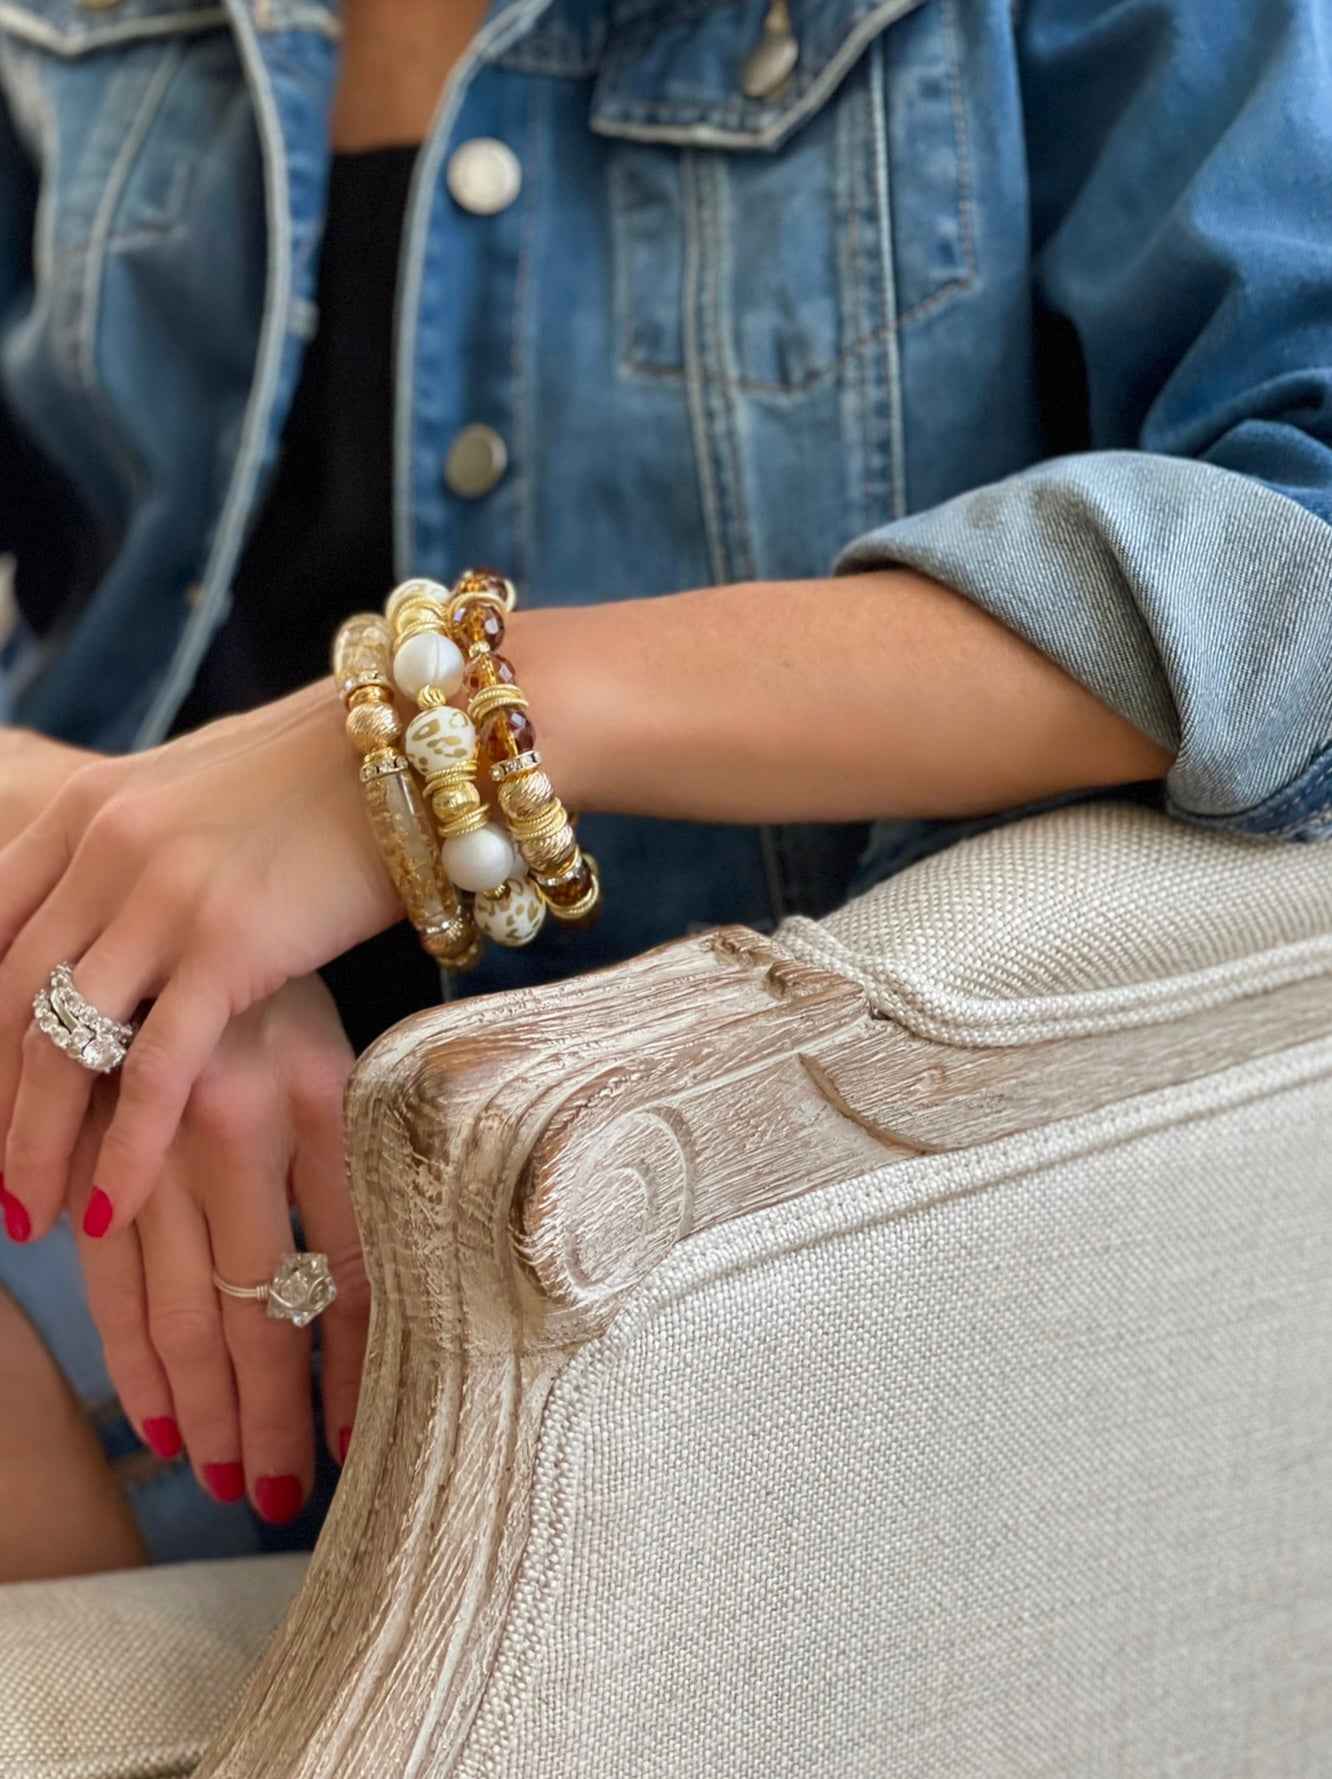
201 875
33 770
263 1129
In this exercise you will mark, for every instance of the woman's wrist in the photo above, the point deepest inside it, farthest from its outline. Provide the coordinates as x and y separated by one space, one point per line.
874 695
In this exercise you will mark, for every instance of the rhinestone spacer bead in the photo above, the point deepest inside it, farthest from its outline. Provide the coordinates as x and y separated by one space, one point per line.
527 762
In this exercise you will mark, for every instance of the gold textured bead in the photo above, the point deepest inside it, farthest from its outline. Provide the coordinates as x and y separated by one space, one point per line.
492 698
463 957
525 795
463 821
372 726
540 826
551 852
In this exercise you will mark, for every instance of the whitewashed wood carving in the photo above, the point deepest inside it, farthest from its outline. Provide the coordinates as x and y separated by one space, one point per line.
520 1165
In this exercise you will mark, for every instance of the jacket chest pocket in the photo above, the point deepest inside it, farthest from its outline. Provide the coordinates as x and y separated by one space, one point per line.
766 243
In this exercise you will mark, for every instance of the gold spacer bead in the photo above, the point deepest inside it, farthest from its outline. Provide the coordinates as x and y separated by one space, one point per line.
369 691
541 826
453 827
418 616
461 772
451 806
371 727
525 795
492 698
548 853
432 698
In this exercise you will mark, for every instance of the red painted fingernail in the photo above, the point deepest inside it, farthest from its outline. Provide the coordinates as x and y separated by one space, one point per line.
97 1217
278 1498
344 1441
18 1224
162 1435
225 1481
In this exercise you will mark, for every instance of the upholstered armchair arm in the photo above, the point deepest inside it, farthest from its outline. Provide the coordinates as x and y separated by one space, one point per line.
522 1165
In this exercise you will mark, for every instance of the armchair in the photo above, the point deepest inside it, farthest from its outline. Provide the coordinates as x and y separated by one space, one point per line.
898 1346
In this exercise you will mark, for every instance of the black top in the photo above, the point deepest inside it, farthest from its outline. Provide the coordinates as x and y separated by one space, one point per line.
323 544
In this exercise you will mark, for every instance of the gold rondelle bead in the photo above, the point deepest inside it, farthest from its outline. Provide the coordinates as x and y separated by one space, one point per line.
549 852
371 726
526 796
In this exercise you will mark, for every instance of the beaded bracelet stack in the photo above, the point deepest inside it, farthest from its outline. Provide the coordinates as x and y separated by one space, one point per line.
431 645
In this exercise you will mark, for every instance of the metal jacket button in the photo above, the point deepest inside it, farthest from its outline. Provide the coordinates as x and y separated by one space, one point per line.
768 67
477 458
484 176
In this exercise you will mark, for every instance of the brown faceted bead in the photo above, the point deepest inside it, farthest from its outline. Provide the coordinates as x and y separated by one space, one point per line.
572 889
482 580
487 670
479 621
504 734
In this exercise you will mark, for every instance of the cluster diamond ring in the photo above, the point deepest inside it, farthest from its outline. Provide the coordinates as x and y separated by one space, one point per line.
301 1289
76 1027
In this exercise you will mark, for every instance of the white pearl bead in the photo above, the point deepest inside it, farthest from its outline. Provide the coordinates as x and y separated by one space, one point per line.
428 660
415 589
516 920
479 861
439 738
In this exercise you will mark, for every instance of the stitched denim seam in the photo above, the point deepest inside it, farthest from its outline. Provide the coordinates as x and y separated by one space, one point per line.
94 268
292 15
853 273
803 98
695 382
742 562
523 490
622 304
960 138
70 44
883 197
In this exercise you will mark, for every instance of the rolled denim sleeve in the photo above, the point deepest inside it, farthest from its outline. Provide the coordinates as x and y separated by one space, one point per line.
1180 157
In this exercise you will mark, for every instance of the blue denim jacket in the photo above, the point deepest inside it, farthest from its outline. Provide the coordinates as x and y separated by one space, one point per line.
1034 297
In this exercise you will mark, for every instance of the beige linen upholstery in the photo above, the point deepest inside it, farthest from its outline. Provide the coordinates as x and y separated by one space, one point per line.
1098 917
1009 1463
125 1676
898 1348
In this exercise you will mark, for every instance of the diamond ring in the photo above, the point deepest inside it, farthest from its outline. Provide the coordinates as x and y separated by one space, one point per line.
301 1289
76 1027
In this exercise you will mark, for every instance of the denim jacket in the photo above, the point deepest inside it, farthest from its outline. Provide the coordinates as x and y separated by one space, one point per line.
1035 297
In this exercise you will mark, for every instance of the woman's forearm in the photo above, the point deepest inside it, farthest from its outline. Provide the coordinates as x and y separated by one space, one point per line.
872 695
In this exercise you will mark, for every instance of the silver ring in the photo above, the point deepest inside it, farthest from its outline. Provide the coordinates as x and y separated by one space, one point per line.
301 1289
75 1026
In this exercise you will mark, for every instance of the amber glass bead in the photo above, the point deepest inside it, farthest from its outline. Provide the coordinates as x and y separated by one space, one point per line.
487 670
504 734
479 621
483 580
572 888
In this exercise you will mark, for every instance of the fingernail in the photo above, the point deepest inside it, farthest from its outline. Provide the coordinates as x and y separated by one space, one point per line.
18 1224
97 1217
344 1441
162 1435
225 1481
278 1498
